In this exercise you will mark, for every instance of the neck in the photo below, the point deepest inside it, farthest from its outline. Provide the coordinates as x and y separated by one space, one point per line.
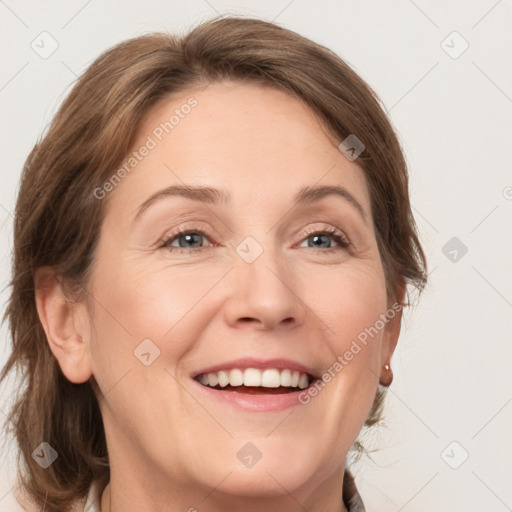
126 498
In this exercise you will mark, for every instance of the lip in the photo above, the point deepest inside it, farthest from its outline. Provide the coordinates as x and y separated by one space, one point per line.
252 403
260 364
258 402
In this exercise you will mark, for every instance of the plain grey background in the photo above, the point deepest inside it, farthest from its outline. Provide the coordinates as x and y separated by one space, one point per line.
444 72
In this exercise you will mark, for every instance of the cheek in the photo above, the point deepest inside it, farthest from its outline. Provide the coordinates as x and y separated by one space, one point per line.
350 308
133 303
349 305
351 301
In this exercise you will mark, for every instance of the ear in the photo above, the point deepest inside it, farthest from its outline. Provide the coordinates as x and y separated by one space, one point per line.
65 324
392 329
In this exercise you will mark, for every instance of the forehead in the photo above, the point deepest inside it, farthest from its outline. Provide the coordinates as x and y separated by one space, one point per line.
254 140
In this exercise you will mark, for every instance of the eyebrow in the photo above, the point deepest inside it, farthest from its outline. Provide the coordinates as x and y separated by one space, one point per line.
210 195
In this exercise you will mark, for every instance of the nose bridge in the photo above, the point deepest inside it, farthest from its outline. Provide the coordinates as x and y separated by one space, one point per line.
264 284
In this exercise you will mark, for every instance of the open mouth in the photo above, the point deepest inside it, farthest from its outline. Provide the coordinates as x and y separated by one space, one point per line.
257 386
253 381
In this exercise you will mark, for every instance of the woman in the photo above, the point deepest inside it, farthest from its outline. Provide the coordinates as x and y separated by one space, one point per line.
234 373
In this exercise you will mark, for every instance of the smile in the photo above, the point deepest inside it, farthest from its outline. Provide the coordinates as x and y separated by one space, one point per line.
253 384
270 378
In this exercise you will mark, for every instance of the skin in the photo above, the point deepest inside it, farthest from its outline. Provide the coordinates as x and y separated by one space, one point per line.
170 449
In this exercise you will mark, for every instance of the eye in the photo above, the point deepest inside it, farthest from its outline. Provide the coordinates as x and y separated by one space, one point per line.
320 238
192 240
188 240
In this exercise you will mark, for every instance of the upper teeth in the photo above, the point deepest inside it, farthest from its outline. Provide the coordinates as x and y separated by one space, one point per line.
270 378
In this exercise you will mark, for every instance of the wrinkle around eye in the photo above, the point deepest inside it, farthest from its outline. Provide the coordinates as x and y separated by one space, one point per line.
165 218
162 220
361 237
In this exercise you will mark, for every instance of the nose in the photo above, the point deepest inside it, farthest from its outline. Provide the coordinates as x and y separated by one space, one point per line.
266 294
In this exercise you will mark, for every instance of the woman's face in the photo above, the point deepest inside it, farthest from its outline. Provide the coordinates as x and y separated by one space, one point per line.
259 280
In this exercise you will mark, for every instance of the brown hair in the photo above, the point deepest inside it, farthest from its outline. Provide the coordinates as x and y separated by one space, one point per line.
58 218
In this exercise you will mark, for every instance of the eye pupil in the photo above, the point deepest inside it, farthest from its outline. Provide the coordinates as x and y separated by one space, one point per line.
316 238
190 239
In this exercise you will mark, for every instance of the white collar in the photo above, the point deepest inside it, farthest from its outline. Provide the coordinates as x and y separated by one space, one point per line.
93 503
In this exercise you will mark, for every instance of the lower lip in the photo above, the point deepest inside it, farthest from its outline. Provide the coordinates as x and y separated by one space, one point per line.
255 403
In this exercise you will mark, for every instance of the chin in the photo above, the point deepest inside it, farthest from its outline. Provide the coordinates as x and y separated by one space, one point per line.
265 467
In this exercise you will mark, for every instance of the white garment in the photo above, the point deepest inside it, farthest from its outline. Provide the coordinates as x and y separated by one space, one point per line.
93 503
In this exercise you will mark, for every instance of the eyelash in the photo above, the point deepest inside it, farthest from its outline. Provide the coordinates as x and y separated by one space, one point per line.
338 236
